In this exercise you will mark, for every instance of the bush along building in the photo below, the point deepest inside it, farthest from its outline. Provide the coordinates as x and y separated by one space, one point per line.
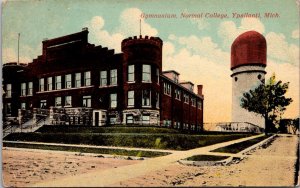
74 82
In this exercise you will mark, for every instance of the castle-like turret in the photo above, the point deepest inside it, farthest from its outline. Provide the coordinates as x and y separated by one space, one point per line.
142 67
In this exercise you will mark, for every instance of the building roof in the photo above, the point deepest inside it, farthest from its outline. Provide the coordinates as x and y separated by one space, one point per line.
183 88
171 71
250 48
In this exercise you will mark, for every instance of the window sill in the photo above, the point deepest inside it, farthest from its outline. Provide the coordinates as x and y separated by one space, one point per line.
130 82
130 106
108 86
146 106
56 90
149 82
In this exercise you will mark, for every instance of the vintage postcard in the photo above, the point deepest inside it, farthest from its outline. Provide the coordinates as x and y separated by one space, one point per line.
102 93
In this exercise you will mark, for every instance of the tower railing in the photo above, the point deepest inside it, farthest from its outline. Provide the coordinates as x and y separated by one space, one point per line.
233 127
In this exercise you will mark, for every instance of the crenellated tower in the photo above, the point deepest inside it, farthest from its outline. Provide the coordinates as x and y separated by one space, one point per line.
142 66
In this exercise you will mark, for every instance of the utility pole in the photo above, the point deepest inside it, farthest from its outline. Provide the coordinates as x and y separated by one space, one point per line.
18 48
140 27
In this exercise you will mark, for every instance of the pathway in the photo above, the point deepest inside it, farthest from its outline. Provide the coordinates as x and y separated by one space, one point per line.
112 176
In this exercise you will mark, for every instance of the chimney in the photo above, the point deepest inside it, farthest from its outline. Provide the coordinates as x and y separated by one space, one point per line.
200 90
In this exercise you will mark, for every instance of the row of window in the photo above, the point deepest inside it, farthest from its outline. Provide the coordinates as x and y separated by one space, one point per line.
27 88
146 74
177 94
113 77
68 81
145 119
86 102
176 124
146 99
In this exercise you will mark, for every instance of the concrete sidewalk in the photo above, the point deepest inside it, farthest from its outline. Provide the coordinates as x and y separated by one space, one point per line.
112 176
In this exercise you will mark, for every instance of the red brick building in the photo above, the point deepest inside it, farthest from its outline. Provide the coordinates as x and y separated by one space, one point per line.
75 82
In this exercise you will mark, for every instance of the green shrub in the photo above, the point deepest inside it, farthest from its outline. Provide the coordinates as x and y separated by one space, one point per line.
236 148
161 141
114 152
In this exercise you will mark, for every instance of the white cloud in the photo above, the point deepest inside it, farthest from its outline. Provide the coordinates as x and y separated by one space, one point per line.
10 55
213 75
204 47
168 48
295 34
228 30
103 37
279 49
130 23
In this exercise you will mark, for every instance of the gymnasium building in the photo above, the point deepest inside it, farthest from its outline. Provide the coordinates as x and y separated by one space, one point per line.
75 82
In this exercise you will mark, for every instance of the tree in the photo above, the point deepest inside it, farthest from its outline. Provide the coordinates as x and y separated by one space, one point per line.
295 125
268 100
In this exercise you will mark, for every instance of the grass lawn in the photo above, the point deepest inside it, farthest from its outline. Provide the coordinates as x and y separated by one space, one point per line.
236 148
156 141
206 158
136 153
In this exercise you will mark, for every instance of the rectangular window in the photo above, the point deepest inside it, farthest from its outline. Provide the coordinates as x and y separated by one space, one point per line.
146 119
49 83
157 100
23 89
175 78
43 103
78 80
58 101
87 78
200 105
41 84
146 73
23 106
177 94
113 100
157 74
186 98
193 101
129 119
146 98
8 108
68 101
68 81
8 90
131 98
30 88
103 78
86 101
131 73
112 120
167 89
113 77
57 82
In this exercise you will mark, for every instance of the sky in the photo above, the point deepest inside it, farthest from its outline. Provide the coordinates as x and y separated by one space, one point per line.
197 48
